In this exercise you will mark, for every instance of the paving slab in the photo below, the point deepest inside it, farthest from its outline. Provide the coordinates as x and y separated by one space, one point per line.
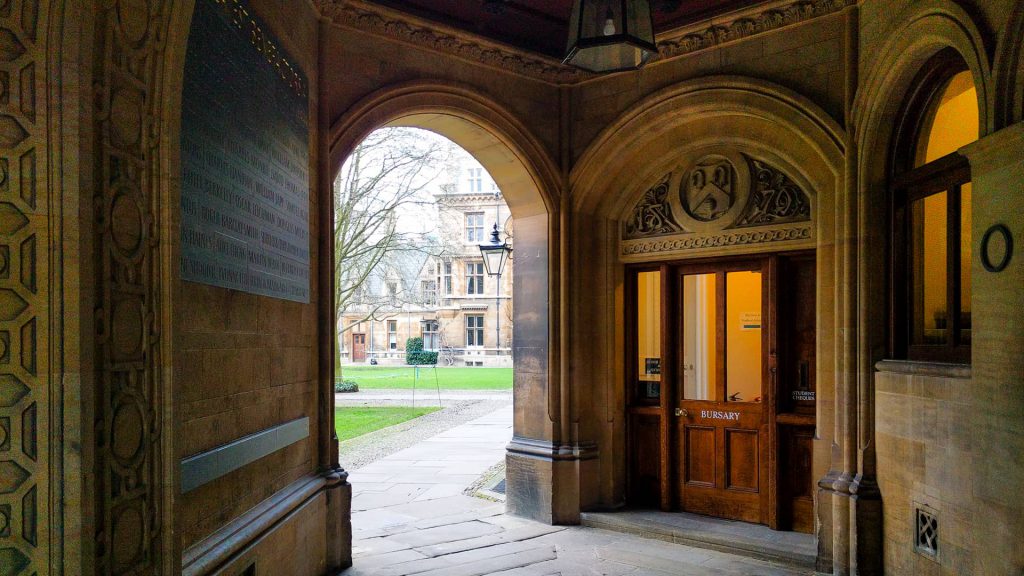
490 540
412 518
439 534
496 564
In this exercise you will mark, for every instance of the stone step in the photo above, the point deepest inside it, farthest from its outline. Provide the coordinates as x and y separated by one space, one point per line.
743 539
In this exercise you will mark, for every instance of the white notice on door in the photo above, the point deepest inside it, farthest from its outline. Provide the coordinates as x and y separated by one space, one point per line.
750 320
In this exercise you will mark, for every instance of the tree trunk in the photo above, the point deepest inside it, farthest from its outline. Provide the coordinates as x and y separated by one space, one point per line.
337 355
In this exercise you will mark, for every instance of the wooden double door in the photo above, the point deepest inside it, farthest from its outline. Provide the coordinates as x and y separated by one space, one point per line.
358 347
717 399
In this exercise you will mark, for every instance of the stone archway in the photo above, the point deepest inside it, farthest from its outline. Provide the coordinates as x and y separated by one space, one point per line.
529 181
687 121
1008 71
925 29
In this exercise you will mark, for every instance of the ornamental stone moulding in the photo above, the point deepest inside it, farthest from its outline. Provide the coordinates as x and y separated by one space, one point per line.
672 43
405 28
716 201
744 24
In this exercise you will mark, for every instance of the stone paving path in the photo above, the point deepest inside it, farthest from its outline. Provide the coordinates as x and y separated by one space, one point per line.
457 409
409 517
424 396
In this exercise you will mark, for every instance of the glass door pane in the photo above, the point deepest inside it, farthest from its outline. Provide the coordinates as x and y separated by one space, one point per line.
700 328
743 336
648 337
928 270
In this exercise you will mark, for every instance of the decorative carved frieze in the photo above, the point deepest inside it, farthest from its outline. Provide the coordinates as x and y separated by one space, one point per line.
25 372
129 479
775 199
717 193
758 21
685 40
405 28
694 242
653 215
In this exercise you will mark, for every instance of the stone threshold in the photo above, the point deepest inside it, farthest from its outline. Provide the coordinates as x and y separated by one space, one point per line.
751 540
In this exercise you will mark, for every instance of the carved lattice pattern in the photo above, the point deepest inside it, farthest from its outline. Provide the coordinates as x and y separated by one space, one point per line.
24 292
128 50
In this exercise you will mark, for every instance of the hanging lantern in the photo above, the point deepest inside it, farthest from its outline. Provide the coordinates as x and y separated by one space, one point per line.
610 35
495 254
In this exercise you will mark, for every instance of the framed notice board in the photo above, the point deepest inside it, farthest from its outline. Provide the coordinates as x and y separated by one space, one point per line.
245 157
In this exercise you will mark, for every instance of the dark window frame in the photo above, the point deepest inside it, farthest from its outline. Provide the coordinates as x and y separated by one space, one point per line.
910 184
474 330
392 327
475 278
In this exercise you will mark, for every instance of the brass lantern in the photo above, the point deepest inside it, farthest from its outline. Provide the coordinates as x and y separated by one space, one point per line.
610 35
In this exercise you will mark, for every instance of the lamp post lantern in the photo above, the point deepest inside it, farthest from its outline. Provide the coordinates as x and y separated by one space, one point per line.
610 35
495 254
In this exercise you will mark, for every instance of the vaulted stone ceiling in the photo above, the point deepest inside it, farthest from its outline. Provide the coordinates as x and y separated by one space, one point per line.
542 25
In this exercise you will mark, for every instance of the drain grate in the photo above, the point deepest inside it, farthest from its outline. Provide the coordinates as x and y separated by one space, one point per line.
499 487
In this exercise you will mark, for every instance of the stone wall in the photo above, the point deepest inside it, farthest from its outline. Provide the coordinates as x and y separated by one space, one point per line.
245 363
946 435
926 460
807 58
111 370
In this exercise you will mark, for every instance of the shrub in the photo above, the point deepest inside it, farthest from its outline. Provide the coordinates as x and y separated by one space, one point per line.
420 357
415 355
346 386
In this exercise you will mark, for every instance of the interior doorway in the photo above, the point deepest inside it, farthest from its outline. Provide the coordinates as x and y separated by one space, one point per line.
721 391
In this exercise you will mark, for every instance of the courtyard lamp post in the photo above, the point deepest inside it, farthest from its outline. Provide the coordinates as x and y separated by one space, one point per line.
495 254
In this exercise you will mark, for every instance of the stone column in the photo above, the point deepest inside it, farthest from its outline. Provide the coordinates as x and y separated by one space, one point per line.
339 491
848 498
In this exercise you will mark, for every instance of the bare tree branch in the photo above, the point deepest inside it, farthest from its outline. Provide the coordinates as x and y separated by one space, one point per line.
391 173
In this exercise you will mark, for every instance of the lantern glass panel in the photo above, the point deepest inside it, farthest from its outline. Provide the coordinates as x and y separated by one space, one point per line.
610 35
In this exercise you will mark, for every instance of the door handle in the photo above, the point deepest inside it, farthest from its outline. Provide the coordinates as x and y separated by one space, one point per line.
682 412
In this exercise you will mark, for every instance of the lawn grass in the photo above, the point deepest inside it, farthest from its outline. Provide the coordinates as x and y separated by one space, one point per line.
401 377
358 420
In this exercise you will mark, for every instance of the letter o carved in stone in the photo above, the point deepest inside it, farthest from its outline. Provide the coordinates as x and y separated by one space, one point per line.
986 247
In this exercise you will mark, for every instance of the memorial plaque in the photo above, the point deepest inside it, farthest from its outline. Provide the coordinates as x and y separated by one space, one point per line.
245 157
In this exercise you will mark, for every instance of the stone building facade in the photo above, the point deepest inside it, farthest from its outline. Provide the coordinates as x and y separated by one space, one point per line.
117 376
440 293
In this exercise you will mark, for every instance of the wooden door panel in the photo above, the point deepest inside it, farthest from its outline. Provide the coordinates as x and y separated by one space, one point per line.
741 460
796 485
700 446
722 461
797 394
644 438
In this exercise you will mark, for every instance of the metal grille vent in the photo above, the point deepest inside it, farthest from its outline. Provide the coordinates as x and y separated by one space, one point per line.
927 533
